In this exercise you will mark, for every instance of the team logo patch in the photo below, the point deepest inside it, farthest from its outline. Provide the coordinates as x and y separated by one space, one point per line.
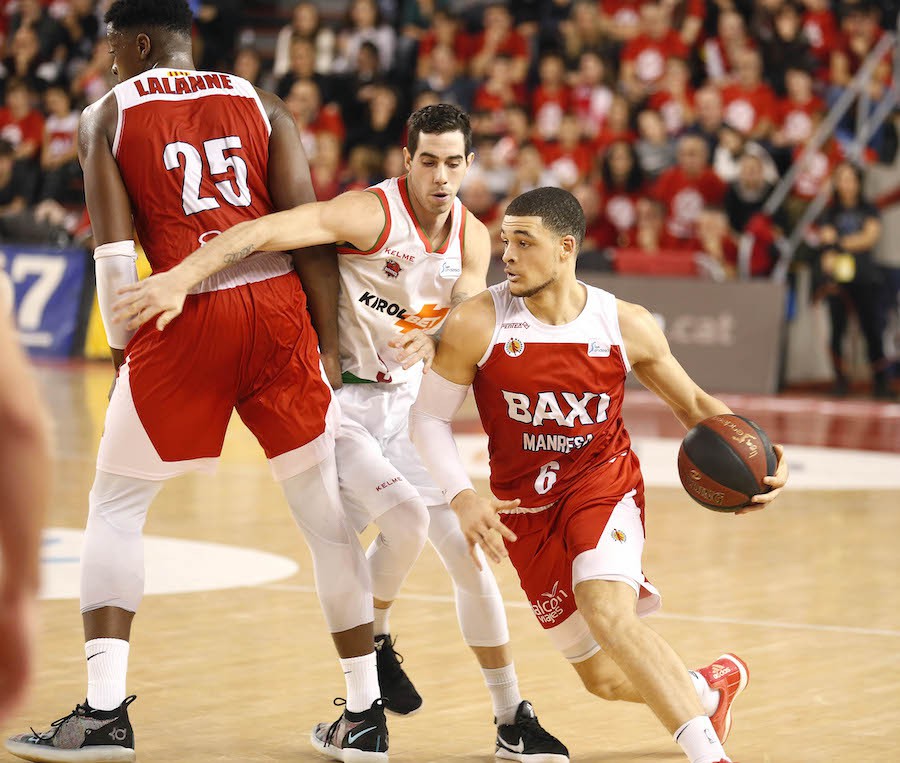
598 349
514 347
392 269
618 536
451 269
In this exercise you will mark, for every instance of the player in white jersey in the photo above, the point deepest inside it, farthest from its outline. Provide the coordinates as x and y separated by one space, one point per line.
408 252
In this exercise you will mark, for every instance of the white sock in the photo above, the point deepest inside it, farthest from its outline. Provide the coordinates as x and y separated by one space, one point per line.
709 698
362 682
382 621
699 741
107 667
503 685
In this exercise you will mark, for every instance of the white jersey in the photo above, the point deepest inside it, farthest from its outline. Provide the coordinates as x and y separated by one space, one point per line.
397 286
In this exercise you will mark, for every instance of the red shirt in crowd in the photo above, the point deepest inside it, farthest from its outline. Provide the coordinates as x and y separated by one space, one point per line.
685 198
463 45
548 107
672 110
513 45
816 170
615 225
795 120
579 158
743 109
649 55
822 32
28 129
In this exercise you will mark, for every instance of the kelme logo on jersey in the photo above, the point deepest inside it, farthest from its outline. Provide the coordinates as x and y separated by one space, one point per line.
514 347
392 269
427 318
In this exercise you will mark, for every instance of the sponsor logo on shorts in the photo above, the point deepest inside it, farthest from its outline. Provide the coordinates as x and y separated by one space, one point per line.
549 607
618 536
514 347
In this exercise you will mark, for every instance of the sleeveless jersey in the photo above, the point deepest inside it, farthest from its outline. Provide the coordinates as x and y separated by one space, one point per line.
398 285
193 151
550 400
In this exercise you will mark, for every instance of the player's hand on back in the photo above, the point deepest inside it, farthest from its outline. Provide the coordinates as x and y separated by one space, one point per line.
159 295
414 346
480 524
777 481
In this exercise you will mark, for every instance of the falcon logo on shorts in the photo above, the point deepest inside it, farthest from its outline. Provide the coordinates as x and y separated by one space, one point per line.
618 536
391 269
514 347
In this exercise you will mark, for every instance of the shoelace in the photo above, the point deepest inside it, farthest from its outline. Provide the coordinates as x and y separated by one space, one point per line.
332 729
80 710
392 666
535 728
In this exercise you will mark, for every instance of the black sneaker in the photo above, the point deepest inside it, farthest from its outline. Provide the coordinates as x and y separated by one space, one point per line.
526 740
354 737
85 735
400 696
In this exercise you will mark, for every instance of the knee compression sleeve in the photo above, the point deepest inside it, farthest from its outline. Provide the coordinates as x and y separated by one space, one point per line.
403 531
342 574
112 559
479 605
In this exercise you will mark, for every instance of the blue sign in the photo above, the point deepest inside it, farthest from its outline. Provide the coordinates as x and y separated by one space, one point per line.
47 287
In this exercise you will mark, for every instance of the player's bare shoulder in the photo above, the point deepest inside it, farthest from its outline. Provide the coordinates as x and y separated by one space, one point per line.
469 327
644 339
98 119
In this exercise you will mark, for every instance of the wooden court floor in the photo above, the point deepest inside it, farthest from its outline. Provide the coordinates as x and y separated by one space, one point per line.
806 592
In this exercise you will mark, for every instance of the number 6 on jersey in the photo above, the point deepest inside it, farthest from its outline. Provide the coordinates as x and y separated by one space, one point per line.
546 478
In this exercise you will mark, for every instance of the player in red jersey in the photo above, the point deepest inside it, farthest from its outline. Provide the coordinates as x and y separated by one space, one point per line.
547 357
184 155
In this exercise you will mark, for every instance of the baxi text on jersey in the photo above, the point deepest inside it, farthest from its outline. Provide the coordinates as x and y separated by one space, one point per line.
564 409
183 85
557 443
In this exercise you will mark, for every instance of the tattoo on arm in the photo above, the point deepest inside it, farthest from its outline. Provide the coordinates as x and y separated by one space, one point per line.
233 257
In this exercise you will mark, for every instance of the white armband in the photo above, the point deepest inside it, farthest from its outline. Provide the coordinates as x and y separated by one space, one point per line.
430 432
115 267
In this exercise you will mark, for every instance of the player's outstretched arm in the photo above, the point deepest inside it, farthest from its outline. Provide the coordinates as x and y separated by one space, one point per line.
465 338
657 369
356 217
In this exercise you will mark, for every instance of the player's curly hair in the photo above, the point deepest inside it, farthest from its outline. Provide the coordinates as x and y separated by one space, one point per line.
173 15
438 119
558 209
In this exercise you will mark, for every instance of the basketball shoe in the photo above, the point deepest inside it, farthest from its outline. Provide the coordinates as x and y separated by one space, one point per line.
527 741
729 675
354 737
400 696
85 735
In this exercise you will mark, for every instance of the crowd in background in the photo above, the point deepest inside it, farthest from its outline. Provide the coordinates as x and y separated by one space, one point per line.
670 120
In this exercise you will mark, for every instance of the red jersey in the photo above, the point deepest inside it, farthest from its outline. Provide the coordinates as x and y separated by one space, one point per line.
649 55
686 197
822 32
745 108
618 212
28 129
550 400
193 150
796 119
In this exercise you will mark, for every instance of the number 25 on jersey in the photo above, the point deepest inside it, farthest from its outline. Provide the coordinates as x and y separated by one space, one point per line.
181 154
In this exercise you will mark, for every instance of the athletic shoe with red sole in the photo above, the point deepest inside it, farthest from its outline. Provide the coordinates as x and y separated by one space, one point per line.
729 675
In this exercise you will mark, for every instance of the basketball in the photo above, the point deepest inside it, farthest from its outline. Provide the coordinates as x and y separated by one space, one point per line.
723 461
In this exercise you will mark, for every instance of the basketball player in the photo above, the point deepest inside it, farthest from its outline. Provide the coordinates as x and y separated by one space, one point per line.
408 252
187 154
547 357
24 479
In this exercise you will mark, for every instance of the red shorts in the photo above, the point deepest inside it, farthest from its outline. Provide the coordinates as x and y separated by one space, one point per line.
586 534
251 348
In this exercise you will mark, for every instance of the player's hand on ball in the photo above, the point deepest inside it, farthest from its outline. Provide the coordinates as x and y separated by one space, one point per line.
159 295
482 527
777 481
414 346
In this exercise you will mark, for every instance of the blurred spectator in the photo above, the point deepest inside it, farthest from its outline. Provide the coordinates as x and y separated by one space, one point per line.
20 124
859 34
709 117
595 227
304 101
583 32
623 185
655 149
441 74
16 186
498 90
365 26
813 173
302 66
820 28
796 113
552 97
363 168
591 93
479 200
621 18
248 64
355 89
688 16
417 17
687 189
716 240
32 14
383 124
675 98
720 52
644 57
568 157
492 163
447 30
306 24
849 231
59 155
617 126
24 62
325 166
500 38
530 172
787 47
650 226
394 162
749 102
95 79
216 22
82 26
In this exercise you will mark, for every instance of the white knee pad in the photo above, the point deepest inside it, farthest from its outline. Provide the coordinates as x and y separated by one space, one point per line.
112 558
339 565
479 606
403 532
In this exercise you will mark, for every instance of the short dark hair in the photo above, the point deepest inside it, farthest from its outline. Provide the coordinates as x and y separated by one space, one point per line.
558 209
172 15
436 120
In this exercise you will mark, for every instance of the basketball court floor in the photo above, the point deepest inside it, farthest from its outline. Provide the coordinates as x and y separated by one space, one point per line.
231 660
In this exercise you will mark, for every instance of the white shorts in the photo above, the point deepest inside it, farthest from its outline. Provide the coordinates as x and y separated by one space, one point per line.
378 465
